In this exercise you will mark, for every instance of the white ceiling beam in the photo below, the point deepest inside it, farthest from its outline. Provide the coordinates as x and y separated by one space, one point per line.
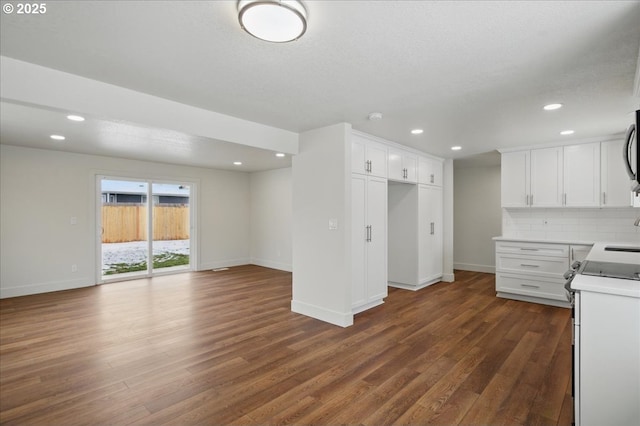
27 83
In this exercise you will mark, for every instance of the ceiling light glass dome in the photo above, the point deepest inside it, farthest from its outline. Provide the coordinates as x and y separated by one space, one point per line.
277 21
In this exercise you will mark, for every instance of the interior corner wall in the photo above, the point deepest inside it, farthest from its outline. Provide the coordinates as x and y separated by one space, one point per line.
271 213
321 174
477 217
447 222
40 190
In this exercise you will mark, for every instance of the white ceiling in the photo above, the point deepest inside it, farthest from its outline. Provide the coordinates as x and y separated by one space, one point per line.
470 73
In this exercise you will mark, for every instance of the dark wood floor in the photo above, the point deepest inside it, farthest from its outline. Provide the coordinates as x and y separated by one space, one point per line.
224 348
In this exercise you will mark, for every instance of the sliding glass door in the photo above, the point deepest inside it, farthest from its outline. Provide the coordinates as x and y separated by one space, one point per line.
145 227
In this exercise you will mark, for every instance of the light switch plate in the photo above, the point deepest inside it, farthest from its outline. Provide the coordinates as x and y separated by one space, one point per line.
333 224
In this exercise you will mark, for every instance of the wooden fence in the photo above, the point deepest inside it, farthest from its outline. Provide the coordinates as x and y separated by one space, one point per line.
122 223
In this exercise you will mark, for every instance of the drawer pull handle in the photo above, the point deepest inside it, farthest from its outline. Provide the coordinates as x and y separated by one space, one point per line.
529 249
530 266
530 285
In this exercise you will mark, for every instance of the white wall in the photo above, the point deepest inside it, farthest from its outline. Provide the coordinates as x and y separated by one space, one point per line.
477 217
41 190
271 212
447 221
321 257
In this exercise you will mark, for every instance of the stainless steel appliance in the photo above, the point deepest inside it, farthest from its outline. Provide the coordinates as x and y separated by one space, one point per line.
625 271
631 153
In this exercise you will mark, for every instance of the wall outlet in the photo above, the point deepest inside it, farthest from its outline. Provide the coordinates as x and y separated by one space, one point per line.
73 220
74 268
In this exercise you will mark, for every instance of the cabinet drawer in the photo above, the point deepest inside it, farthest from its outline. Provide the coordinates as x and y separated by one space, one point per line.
537 265
533 249
531 286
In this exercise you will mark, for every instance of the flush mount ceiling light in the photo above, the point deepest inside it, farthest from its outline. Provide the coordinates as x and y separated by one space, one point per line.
73 117
375 116
456 148
567 132
57 137
417 131
280 154
277 21
237 163
551 107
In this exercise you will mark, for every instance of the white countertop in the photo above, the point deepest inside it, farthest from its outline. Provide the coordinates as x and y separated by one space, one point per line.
542 240
614 286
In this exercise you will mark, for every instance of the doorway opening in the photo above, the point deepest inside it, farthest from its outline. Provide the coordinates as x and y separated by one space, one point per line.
144 227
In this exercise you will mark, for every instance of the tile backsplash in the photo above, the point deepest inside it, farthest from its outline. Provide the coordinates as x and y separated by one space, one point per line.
615 225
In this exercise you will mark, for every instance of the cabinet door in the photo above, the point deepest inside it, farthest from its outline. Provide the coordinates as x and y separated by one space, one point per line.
368 157
410 164
376 212
437 243
615 185
358 239
358 159
396 171
377 155
546 177
429 171
581 175
514 177
431 233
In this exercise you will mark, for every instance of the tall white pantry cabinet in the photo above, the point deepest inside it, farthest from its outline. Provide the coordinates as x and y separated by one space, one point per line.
397 220
368 224
416 229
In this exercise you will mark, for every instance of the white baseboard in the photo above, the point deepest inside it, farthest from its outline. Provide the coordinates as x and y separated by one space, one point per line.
332 317
26 290
223 264
448 278
531 299
367 306
414 287
475 268
272 264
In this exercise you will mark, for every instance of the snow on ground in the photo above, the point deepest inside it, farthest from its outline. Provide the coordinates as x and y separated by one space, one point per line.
136 251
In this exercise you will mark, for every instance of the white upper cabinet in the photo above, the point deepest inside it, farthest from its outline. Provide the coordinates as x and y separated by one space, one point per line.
584 175
581 175
615 186
546 177
429 171
368 157
403 166
515 181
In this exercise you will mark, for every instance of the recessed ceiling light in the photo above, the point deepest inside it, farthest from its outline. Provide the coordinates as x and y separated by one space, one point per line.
567 132
456 148
237 163
279 154
75 117
57 137
417 131
551 107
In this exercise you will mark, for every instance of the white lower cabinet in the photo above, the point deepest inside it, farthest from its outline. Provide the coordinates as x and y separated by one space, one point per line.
369 241
606 355
415 235
532 272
